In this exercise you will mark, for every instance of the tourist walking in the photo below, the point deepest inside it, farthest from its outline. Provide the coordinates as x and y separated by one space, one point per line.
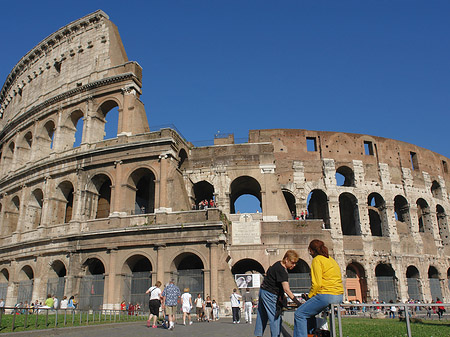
154 303
247 299
326 287
208 309
186 305
170 297
275 285
236 306
199 307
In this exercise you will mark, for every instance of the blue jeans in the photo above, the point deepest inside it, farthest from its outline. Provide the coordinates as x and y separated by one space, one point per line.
267 307
307 312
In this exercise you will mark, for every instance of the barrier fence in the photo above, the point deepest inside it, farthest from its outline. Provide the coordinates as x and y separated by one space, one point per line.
404 311
13 318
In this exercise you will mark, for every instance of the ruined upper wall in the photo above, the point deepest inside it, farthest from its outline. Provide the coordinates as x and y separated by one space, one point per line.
291 145
80 53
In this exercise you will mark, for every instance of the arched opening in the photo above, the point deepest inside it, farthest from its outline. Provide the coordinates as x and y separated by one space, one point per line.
182 156
24 148
203 193
12 215
318 207
56 279
25 286
75 128
436 190
102 185
48 134
448 278
435 284
356 283
387 283
4 281
112 123
300 277
243 186
144 180
64 202
413 282
92 285
248 274
377 215
442 224
349 214
401 208
290 201
345 176
189 273
34 209
137 279
105 126
423 216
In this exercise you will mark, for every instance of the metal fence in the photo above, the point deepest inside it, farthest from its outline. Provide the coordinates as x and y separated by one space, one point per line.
12 318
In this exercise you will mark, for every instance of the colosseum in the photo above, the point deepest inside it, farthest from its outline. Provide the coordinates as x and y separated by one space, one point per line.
102 219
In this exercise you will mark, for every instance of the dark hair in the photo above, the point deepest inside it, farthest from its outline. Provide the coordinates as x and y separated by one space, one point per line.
318 248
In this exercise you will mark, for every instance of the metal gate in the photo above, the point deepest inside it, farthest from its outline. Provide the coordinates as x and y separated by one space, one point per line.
91 292
135 286
435 288
25 291
413 289
192 279
3 290
55 286
300 282
387 289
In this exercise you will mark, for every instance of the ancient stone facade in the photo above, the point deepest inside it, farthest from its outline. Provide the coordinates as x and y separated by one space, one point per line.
103 218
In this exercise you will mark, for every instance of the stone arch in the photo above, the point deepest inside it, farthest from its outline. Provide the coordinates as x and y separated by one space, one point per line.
377 215
203 190
182 157
188 272
434 282
436 189
345 176
34 209
243 272
64 202
143 181
25 285
46 137
99 200
57 278
98 124
24 148
241 186
137 277
401 209
12 215
72 130
349 214
290 201
92 284
4 282
444 232
318 206
300 277
8 156
413 282
423 216
386 282
356 282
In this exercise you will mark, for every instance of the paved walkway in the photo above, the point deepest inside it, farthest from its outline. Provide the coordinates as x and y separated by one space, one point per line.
223 328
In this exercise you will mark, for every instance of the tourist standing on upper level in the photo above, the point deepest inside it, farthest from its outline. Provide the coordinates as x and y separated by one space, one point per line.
170 297
274 286
154 303
326 287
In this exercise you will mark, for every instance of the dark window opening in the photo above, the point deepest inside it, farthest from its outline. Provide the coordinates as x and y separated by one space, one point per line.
444 165
311 144
414 161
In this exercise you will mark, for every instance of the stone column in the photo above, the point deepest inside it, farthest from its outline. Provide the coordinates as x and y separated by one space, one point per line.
214 276
116 191
163 168
160 275
112 286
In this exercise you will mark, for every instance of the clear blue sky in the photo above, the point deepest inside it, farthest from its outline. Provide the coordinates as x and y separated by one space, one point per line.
379 67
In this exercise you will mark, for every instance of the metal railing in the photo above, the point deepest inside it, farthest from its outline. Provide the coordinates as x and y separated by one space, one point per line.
12 318
404 312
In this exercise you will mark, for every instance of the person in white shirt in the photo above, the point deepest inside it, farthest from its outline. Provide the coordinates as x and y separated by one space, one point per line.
236 306
199 303
154 302
186 305
64 303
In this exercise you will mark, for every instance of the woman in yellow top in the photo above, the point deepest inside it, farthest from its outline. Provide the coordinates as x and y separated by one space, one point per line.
326 288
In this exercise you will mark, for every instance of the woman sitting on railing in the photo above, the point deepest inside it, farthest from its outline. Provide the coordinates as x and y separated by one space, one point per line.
326 288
